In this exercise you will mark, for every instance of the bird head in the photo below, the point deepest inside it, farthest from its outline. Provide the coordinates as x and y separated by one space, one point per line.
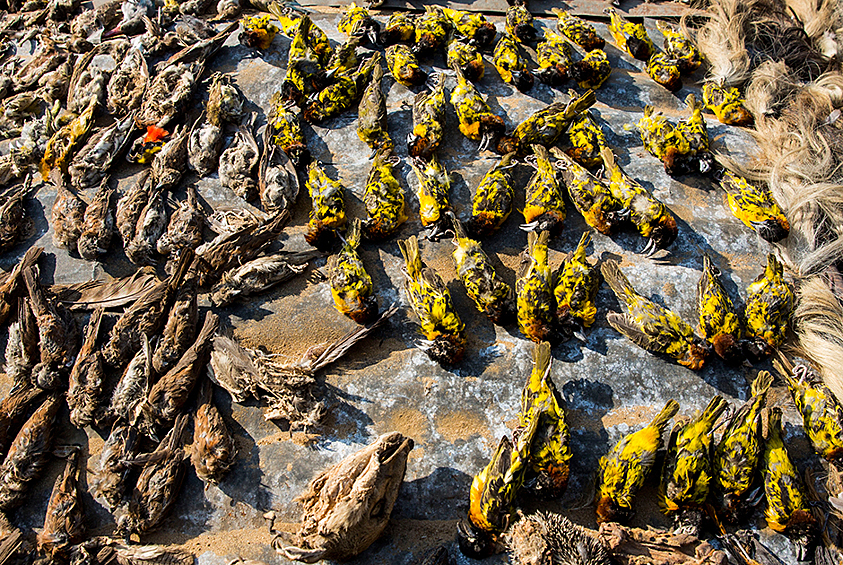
522 80
727 348
665 232
609 511
756 349
772 229
484 36
474 542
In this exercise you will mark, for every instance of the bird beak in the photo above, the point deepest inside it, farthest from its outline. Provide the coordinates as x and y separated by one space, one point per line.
484 142
580 335
650 248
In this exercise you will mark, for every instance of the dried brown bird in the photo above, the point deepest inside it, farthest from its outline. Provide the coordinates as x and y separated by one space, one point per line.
204 145
27 455
278 183
213 450
180 328
98 224
168 166
185 228
55 333
158 484
257 276
92 162
225 102
130 206
238 162
111 480
87 377
133 386
150 229
10 288
22 351
347 507
127 84
113 293
13 412
14 222
64 522
87 83
68 215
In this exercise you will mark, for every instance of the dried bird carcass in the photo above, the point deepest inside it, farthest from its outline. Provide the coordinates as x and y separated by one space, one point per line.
106 294
133 386
10 287
278 183
238 162
112 476
547 538
98 224
634 546
22 351
46 58
347 507
68 214
128 84
27 455
257 276
180 328
13 412
150 229
64 522
87 84
225 102
106 551
168 166
204 144
185 228
131 204
213 450
15 224
87 377
92 161
59 147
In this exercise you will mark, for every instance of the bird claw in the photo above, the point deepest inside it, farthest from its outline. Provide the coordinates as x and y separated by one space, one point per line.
650 248
530 226
424 344
579 335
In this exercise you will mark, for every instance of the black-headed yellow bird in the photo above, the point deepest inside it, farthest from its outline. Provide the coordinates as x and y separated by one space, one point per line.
664 142
630 37
433 194
383 197
687 473
624 468
511 66
554 58
492 201
545 126
680 48
769 304
306 61
492 295
344 60
737 455
586 138
600 209
286 130
432 29
665 71
575 287
428 295
342 94
550 451
428 119
647 213
544 205
727 104
403 65
315 39
720 323
371 113
356 20
476 120
651 326
258 31
822 415
694 130
592 71
578 30
534 289
755 207
519 24
467 58
787 511
351 285
400 28
328 207
472 26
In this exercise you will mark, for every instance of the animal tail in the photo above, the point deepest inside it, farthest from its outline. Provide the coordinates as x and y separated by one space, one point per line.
617 281
714 409
412 257
662 418
761 384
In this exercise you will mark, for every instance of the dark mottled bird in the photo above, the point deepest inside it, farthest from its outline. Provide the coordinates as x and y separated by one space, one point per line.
10 289
466 57
663 69
822 415
327 213
14 410
87 377
473 27
180 328
544 204
681 49
255 276
400 28
727 104
575 288
592 71
630 37
545 126
98 223
433 194
403 65
519 24
68 214
432 29
152 224
719 321
492 201
56 334
184 229
22 349
351 285
534 288
383 197
755 206
428 119
769 305
112 476
586 139
554 58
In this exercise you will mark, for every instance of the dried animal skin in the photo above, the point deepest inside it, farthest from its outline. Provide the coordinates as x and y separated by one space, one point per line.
150 228
27 455
106 294
55 339
127 84
22 351
204 146
133 386
232 367
169 163
14 222
106 551
44 60
278 182
130 206
230 220
13 411
87 377
237 164
9 287
111 479
633 546
170 393
347 507
546 538
68 215
98 225
213 449
180 330
255 276
92 161
64 522
185 228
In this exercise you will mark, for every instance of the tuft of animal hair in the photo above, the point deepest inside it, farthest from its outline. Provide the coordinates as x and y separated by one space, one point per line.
821 20
818 320
722 41
546 538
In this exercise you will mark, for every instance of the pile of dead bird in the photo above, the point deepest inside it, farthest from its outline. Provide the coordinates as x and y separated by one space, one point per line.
120 79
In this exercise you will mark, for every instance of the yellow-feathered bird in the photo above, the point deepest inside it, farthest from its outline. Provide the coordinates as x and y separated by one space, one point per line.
544 205
434 186
492 202
787 506
306 61
328 207
545 126
720 323
727 104
769 304
286 130
737 455
693 129
575 287
383 197
315 39
664 142
755 207
586 138
403 65
351 285
554 58
511 66
822 415
356 20
519 24
651 326
472 26
592 71
550 451
342 94
624 468
428 295
428 119
578 30
665 71
600 209
630 37
492 295
400 28
534 288
371 113
687 472
680 48
258 31
467 58
432 29
647 213
476 120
